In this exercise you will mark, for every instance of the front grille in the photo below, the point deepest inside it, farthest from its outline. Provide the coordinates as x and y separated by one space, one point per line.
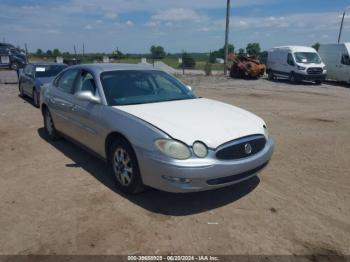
228 179
315 71
236 149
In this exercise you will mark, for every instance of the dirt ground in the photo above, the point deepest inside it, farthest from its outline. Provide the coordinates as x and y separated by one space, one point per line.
57 199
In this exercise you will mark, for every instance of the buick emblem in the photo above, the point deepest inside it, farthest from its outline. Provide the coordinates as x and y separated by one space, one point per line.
247 148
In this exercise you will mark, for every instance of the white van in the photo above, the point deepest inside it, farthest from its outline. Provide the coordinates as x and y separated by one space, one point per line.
296 63
337 60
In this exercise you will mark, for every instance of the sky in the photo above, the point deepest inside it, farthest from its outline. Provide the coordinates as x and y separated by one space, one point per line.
133 26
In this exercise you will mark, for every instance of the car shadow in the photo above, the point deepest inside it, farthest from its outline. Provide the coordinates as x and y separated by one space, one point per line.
337 83
28 100
154 200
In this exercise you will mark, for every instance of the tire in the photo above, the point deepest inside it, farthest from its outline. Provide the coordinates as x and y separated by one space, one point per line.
14 66
270 75
123 166
21 93
292 78
36 99
318 82
49 126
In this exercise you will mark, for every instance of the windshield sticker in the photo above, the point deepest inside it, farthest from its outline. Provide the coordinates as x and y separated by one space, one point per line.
40 69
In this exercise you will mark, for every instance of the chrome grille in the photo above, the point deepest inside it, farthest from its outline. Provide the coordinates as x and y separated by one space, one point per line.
315 71
237 149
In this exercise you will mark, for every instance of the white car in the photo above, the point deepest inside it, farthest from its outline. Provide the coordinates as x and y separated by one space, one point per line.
152 130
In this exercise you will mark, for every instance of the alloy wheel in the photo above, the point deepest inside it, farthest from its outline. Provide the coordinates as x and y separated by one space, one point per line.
122 166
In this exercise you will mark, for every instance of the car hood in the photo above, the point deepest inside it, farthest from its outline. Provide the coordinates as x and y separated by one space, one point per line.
206 120
43 80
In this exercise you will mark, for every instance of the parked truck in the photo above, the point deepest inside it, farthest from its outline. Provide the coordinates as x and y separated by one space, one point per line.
11 57
337 60
296 63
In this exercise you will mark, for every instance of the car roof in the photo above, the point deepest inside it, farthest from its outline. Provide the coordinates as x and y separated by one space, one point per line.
294 48
45 63
104 67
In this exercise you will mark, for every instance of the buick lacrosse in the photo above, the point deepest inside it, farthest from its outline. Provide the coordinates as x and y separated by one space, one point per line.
152 130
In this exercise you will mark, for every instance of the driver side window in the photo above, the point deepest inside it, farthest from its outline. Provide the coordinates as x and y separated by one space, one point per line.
66 82
290 59
345 59
85 82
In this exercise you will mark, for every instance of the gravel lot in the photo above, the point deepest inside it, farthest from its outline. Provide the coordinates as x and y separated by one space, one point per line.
57 199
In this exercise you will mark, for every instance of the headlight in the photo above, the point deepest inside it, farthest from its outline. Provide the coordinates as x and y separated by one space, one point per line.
301 68
173 149
266 132
200 149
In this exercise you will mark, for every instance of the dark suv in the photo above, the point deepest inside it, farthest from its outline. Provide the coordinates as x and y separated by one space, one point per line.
11 57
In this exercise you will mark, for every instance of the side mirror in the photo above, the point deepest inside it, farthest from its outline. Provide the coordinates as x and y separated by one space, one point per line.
190 88
88 96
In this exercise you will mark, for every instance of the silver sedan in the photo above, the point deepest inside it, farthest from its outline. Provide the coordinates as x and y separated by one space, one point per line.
152 130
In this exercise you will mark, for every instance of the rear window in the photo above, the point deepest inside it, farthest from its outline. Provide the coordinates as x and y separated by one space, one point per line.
48 70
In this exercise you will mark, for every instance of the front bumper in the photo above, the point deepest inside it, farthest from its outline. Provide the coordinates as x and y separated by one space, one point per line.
318 77
204 174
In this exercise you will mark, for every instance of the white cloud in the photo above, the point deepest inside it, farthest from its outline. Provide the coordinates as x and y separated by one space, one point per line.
151 24
129 23
88 27
176 14
111 15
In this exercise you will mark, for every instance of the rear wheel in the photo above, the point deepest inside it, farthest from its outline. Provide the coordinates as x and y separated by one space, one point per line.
270 75
124 167
49 126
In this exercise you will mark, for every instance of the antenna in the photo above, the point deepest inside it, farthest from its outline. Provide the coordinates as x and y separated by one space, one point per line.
341 27
226 34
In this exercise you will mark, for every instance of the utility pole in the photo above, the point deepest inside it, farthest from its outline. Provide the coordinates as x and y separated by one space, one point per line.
341 27
226 34
75 52
83 48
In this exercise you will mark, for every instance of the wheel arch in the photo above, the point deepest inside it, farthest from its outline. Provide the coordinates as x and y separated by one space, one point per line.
112 137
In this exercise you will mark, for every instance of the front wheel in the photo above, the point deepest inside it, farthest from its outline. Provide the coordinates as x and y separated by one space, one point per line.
124 167
21 92
36 98
14 66
49 126
292 78
318 82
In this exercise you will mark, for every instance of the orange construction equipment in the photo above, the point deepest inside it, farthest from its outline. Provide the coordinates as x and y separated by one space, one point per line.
245 67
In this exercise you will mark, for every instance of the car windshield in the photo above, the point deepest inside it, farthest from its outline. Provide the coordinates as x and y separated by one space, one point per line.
307 57
48 70
128 87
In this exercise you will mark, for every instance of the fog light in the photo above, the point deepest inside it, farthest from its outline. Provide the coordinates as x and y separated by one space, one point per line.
177 179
